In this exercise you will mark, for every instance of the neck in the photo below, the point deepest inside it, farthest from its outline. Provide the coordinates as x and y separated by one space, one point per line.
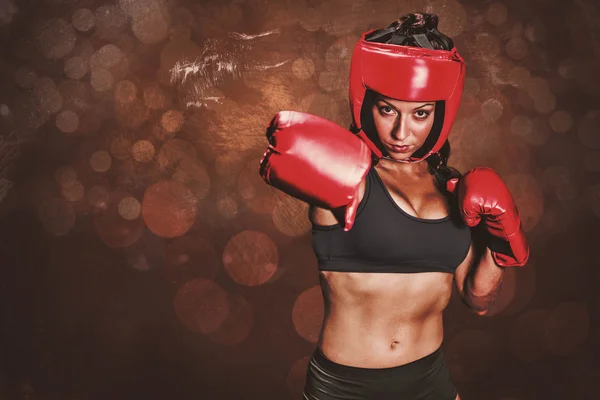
415 169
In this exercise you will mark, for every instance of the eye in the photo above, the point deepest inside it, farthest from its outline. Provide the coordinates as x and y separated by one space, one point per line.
422 114
387 110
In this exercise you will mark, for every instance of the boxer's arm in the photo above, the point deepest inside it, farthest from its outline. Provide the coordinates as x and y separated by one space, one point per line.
478 279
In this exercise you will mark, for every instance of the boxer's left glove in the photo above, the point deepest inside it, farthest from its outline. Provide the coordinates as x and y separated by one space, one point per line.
315 160
484 197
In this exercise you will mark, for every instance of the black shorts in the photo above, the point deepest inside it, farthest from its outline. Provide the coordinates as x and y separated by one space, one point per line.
427 378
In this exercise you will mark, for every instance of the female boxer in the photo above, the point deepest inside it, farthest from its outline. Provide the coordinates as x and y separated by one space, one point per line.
391 233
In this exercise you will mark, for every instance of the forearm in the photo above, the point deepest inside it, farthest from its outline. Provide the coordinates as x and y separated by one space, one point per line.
483 284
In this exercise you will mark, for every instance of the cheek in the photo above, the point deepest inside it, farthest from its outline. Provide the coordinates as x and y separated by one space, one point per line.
382 125
421 129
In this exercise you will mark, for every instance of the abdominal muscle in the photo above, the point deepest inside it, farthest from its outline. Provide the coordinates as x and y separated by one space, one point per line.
381 320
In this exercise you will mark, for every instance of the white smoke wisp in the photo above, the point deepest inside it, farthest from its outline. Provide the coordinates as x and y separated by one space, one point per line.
220 59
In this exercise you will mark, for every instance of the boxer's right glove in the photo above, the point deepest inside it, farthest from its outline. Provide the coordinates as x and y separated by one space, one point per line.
315 160
484 197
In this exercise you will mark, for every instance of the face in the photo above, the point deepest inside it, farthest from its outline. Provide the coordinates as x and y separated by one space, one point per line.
402 126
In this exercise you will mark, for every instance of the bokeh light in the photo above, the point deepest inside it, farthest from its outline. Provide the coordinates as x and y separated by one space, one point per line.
307 314
201 305
169 209
250 258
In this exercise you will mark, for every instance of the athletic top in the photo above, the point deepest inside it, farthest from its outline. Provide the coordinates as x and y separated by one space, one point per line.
384 238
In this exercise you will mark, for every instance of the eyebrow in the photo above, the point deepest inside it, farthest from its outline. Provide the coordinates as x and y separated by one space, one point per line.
391 105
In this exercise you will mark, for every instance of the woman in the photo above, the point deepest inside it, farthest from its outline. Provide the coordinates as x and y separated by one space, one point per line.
391 232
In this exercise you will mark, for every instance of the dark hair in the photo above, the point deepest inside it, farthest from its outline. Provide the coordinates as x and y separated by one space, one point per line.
403 31
417 29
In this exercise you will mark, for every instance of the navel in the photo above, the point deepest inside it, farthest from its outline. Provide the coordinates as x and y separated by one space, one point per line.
394 344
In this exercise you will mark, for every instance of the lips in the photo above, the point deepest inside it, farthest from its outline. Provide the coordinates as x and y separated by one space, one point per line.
399 149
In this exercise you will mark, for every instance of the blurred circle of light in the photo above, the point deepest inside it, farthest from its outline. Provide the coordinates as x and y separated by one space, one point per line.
588 130
529 198
112 229
67 121
143 151
98 196
106 57
129 208
76 67
172 121
290 216
100 161
561 121
120 148
238 324
125 92
152 28
73 192
258 196
567 328
472 355
154 97
83 19
201 305
516 48
26 77
169 209
189 257
526 335
492 109
303 68
65 175
56 38
102 79
250 258
497 14
591 160
296 377
307 314
57 216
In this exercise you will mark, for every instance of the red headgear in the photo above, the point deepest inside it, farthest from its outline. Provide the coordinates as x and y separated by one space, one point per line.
406 73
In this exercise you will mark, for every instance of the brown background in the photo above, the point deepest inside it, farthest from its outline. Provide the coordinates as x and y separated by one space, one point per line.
142 256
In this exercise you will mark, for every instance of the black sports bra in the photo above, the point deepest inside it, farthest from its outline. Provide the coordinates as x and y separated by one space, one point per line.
385 238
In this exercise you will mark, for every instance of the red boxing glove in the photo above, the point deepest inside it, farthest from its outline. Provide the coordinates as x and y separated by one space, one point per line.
483 196
315 160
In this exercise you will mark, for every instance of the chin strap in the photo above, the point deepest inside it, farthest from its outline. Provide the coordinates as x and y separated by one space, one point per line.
446 177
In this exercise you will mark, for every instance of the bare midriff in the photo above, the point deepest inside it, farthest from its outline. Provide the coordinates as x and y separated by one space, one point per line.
382 320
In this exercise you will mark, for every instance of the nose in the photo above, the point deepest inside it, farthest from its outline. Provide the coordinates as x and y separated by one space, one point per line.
401 130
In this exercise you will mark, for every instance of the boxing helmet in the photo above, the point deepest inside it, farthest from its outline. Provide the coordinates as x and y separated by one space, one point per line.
407 73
